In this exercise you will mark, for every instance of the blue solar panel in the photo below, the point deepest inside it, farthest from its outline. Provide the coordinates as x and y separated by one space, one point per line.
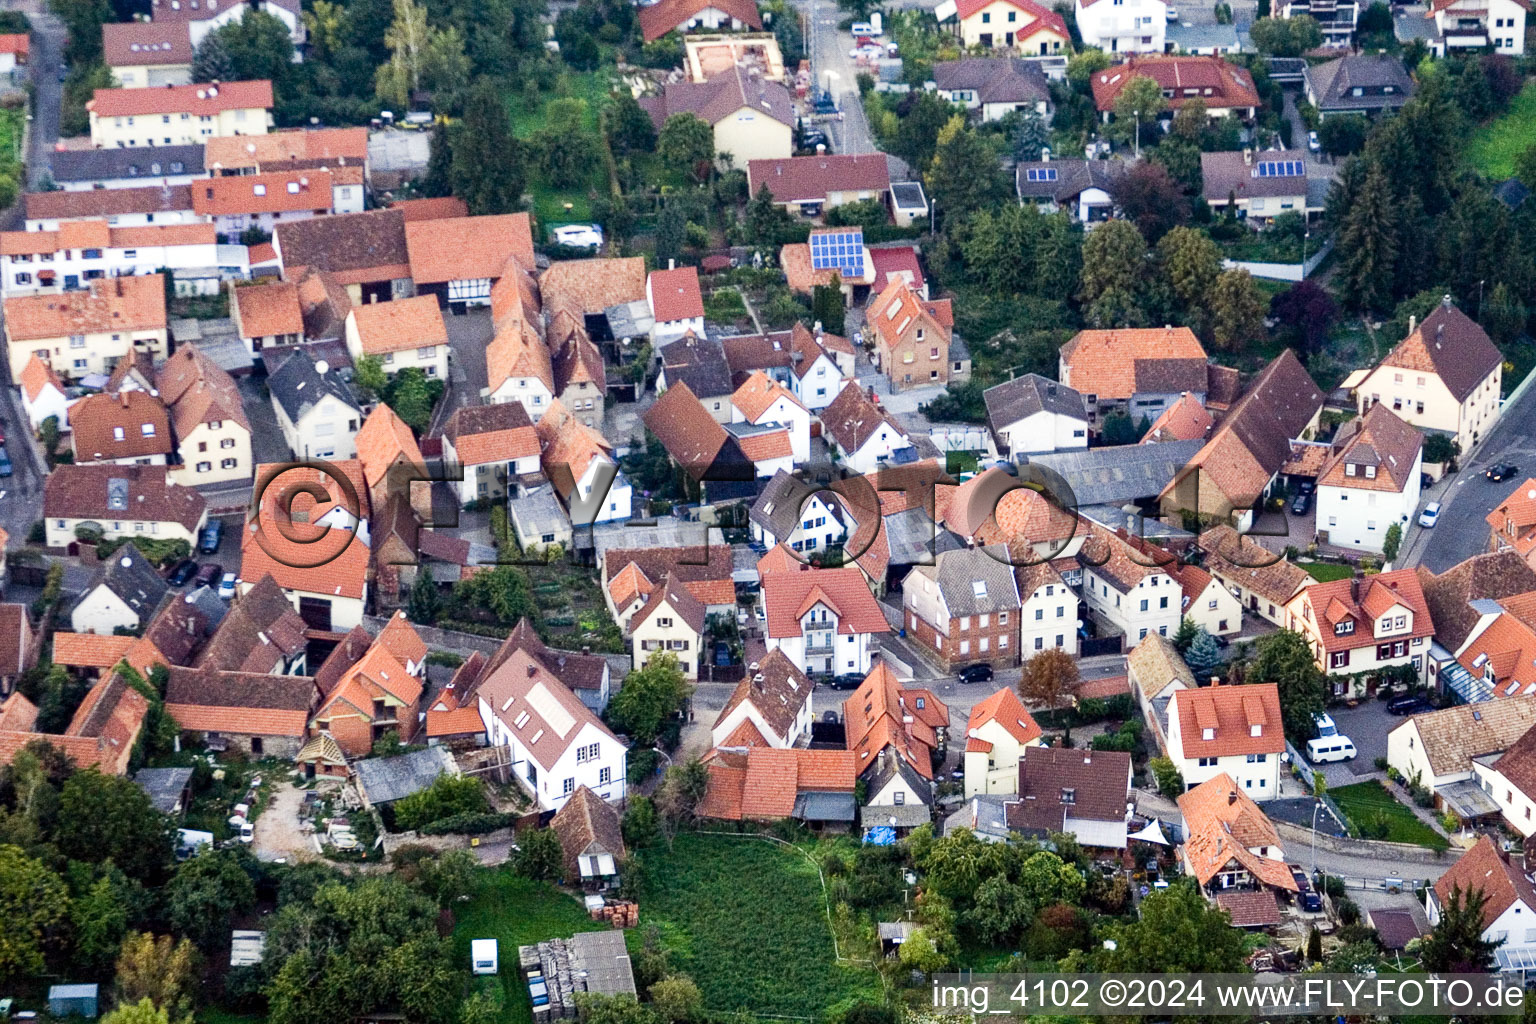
838 250
1281 169
1040 174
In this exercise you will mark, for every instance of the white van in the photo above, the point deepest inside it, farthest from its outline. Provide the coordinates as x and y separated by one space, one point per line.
1326 749
1325 727
482 956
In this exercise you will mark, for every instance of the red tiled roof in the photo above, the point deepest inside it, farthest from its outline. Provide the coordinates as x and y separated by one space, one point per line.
491 433
145 43
1224 826
199 100
1184 420
1230 85
311 147
788 596
1363 601
1232 713
310 557
110 305
268 309
439 208
1107 363
801 178
1005 708
249 194
876 716
467 248
107 427
668 15
675 294
759 392
1484 869
398 326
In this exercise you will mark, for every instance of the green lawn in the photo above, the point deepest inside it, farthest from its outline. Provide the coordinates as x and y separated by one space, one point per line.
528 116
1369 806
1496 144
1327 572
746 920
515 912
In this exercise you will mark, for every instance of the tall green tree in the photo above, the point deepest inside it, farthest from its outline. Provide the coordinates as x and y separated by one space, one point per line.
1137 104
211 61
630 129
161 970
488 171
1191 262
827 306
83 20
923 115
438 179
99 920
258 46
566 151
1285 659
424 605
1285 37
1114 275
687 144
421 57
649 697
105 817
1236 310
1458 944
34 904
965 174
1178 932
206 892
1368 245
1203 656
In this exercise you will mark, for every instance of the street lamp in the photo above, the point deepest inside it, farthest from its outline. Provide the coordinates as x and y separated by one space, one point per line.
1317 806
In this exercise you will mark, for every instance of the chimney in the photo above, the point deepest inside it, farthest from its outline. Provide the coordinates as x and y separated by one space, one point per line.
533 670
1248 157
1412 320
1215 680
1354 588
1445 301
671 264
1231 797
586 649
1045 154
122 396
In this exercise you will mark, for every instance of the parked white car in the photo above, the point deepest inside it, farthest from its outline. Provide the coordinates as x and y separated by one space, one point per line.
1430 516
579 236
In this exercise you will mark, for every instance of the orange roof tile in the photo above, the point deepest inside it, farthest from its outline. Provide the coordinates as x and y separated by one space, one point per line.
675 294
308 556
399 326
36 376
1226 826
269 309
785 593
483 434
129 425
251 194
1232 712
1005 708
764 447
327 146
467 248
1106 363
1184 420
383 442
111 304
758 393
199 100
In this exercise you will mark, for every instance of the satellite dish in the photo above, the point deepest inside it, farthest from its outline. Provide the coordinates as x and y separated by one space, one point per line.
322 367
127 562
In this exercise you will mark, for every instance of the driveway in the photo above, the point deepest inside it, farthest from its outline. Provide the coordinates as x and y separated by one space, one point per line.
277 835
267 441
468 335
1367 725
47 45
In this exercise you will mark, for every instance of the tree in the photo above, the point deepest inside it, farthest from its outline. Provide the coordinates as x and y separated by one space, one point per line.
161 971
1151 200
649 697
677 999
1181 159
630 129
206 892
99 919
1285 37
211 61
1285 658
1191 263
965 174
1118 430
1343 134
1368 245
565 149
1191 122
257 46
104 817
412 396
1457 943
1140 101
923 115
1525 166
1000 912
1050 677
487 168
1178 932
681 789
1113 276
142 1012
424 605
420 57
622 1009
437 181
827 306
368 374
33 903
765 220
354 949
1504 315
1236 310
1307 312
671 233
539 855
83 20
1028 135
1047 879
687 145
1170 781
1203 656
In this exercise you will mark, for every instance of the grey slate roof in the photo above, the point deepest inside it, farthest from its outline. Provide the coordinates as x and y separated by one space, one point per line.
386 779
1073 178
1202 37
915 539
538 513
994 79
130 576
1333 83
1122 473
147 162
825 807
164 786
603 961
777 509
1022 397
1235 173
890 764
699 363
958 574
298 386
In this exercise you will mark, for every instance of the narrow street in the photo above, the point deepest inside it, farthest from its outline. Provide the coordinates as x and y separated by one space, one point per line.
47 48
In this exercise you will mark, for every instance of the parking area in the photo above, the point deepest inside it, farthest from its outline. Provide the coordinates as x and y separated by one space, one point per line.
1367 724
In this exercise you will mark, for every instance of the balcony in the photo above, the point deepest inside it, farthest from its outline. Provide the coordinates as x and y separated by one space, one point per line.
815 645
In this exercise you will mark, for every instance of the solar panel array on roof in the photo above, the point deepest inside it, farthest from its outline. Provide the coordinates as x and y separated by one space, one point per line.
1040 174
838 250
1280 169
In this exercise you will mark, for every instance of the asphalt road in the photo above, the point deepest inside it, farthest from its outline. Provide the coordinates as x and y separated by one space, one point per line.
1468 497
47 46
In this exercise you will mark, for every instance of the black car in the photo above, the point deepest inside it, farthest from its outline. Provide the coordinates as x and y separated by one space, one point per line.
208 540
1311 902
208 575
845 682
184 571
975 674
1300 504
1501 471
1408 705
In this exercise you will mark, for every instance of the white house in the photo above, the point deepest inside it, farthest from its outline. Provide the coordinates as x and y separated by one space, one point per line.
864 437
1032 414
673 621
402 333
1357 627
492 445
125 596
1509 901
1207 602
894 731
1506 780
770 707
42 394
1128 590
790 512
1439 748
82 251
579 462
1370 481
818 366
762 400
1049 617
553 742
995 737
1228 729
1465 24
1122 26
677 305
823 619
316 410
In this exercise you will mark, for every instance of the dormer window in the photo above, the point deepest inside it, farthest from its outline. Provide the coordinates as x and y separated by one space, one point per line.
1370 472
1344 628
1207 734
1256 729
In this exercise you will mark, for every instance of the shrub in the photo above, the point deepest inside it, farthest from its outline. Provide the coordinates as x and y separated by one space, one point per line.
448 796
1382 766
1349 911
468 824
1332 886
1449 822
